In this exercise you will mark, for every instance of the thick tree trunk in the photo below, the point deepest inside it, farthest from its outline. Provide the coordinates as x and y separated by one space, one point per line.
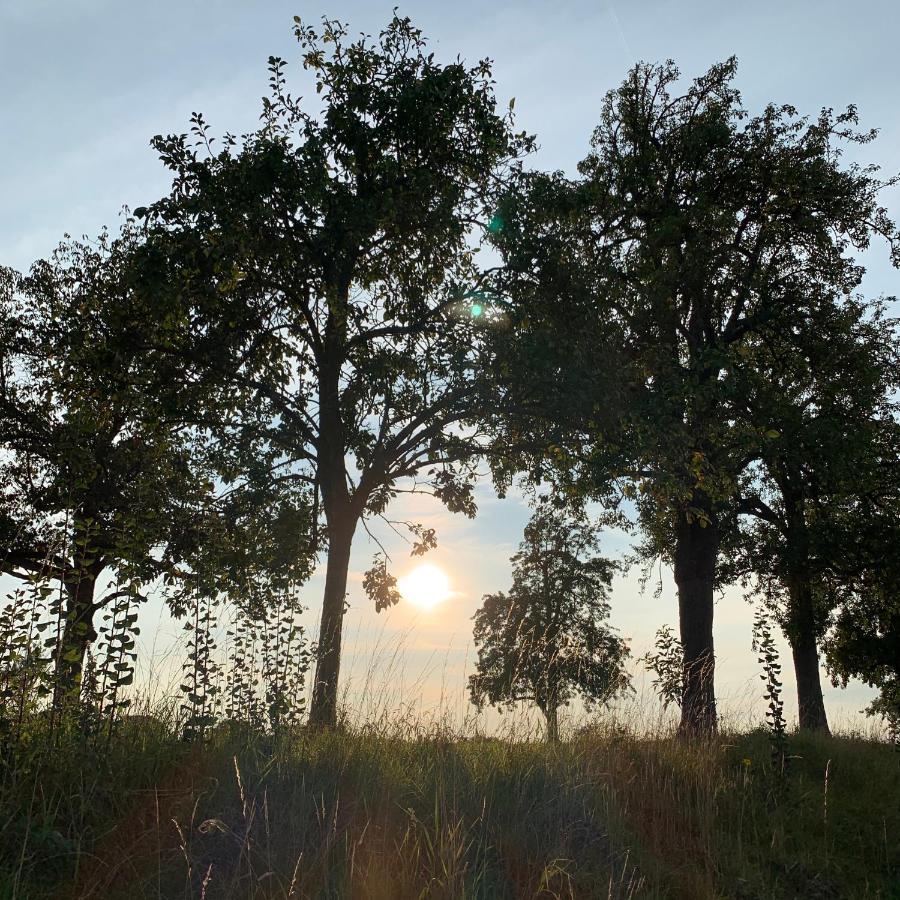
323 712
801 630
696 552
78 634
802 637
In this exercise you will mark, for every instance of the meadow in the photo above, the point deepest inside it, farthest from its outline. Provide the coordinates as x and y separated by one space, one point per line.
401 811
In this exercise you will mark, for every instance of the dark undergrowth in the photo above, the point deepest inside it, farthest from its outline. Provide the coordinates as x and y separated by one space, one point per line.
140 814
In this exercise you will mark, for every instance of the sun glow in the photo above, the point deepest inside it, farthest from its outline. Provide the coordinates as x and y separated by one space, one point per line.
426 586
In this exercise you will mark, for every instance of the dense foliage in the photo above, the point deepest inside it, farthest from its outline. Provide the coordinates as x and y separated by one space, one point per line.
99 477
645 294
324 265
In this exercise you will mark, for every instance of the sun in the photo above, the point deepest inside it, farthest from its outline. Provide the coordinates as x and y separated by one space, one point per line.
426 586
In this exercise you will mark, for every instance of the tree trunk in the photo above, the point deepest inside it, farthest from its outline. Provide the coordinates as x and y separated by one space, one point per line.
696 552
551 714
78 634
323 712
801 633
341 512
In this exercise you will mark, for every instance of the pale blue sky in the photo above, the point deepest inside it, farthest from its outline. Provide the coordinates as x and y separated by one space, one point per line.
86 83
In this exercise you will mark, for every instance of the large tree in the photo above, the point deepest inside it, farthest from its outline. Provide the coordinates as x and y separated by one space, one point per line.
109 479
547 639
324 265
692 231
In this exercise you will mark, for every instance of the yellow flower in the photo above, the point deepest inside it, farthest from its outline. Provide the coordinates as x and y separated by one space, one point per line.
746 763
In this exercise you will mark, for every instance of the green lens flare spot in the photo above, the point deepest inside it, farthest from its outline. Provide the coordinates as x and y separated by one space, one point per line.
476 309
496 224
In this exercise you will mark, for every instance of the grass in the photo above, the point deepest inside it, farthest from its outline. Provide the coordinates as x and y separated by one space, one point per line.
395 814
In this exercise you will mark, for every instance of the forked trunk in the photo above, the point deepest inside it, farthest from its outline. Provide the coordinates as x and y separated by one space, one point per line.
696 551
802 637
323 712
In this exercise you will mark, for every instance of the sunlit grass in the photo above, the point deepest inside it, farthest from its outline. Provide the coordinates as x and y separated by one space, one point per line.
396 810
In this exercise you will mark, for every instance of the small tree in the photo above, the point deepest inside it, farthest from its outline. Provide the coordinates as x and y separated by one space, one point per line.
547 639
665 662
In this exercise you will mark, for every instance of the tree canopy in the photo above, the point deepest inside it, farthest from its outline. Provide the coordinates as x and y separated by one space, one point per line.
325 265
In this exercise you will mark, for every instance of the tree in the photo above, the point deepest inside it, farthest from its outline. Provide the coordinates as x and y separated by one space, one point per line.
865 640
95 479
105 473
827 410
327 267
692 232
547 640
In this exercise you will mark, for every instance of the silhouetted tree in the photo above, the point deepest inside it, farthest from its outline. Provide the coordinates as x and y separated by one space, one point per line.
865 640
547 639
95 478
826 411
328 266
692 233
108 479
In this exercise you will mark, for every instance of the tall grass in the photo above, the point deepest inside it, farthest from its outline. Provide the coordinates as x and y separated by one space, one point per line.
395 810
220 793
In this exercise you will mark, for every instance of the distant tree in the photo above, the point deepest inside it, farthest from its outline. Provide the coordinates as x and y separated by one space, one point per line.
547 639
692 234
325 264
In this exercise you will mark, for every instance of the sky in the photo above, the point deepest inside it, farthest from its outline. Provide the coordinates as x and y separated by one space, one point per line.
87 83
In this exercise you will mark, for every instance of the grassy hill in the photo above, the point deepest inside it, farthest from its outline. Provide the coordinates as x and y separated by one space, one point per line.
372 815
